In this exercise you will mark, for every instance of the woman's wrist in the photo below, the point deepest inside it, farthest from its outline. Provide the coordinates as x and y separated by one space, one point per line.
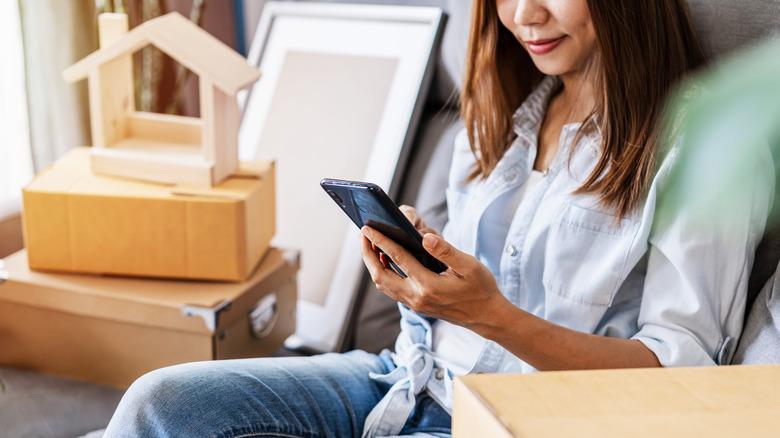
499 316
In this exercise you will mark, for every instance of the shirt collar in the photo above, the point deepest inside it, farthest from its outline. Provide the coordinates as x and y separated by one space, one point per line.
529 117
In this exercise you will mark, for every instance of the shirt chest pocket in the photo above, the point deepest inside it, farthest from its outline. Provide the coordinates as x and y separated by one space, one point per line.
586 253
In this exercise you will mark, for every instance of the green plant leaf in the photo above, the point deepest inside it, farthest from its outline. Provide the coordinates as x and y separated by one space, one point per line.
728 121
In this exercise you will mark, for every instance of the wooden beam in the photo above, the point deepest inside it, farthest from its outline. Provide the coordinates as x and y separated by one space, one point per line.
166 164
227 120
207 117
111 27
115 83
96 108
167 128
117 97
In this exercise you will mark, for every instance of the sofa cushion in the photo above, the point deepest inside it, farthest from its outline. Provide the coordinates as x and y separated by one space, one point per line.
760 341
727 25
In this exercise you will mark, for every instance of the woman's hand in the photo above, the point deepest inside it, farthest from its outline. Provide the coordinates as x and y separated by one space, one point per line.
414 217
466 294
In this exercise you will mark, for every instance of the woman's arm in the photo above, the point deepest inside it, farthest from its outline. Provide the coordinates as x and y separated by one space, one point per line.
467 294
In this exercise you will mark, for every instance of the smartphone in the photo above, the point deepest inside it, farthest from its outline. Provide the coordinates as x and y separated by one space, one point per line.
367 204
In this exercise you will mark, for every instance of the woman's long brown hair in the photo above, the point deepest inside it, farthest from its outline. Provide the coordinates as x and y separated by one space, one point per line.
644 48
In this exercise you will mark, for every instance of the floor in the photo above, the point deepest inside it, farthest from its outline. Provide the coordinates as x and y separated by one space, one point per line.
36 405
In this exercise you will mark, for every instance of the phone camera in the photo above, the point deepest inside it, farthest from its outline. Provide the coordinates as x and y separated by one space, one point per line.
335 196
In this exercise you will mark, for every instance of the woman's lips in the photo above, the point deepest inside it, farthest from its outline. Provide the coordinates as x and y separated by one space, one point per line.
540 47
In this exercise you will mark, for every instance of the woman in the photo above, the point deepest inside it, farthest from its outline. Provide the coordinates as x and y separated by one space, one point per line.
554 260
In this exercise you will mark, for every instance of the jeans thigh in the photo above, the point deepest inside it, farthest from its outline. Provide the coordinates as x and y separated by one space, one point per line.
325 395
427 419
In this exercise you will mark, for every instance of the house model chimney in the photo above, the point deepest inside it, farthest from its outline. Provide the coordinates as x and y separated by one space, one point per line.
111 27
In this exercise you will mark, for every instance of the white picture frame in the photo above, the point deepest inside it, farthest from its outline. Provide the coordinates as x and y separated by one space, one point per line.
340 95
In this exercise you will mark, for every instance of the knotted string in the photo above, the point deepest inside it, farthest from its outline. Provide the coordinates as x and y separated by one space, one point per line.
415 366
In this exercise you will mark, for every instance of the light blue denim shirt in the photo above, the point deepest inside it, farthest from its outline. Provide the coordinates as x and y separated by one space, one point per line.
679 289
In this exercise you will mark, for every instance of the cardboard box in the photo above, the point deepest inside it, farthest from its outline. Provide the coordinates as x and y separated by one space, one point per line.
726 401
77 221
112 330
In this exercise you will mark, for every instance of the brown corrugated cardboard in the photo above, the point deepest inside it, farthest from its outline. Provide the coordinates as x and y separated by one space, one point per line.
726 401
77 221
112 330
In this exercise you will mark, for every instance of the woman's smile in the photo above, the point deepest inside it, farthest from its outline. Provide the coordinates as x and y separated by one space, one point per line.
557 34
540 47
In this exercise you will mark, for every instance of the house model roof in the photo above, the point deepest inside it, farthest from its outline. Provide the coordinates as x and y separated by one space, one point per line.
182 40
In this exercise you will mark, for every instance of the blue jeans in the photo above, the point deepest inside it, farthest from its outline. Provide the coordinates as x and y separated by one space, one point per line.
321 396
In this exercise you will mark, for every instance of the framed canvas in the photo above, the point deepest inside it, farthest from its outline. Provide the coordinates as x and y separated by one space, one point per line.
340 95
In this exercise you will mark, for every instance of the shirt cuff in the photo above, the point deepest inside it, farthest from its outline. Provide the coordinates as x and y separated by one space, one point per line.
677 349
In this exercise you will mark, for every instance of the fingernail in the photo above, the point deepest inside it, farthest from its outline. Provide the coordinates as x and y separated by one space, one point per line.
366 231
430 240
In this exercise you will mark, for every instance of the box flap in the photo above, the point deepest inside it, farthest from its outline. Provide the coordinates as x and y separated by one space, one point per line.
154 302
71 174
724 401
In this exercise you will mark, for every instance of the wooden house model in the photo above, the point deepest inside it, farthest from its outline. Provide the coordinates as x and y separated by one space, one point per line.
159 147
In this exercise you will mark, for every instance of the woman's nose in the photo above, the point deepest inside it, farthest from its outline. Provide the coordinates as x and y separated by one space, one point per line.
530 12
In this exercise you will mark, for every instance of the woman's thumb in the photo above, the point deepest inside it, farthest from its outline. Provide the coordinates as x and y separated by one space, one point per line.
441 249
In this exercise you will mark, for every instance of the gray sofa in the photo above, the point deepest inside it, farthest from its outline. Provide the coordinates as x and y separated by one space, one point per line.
35 405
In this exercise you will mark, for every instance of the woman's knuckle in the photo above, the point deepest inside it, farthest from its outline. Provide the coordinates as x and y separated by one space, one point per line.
447 251
418 303
396 256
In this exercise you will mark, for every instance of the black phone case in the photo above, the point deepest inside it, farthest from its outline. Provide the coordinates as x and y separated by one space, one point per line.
367 204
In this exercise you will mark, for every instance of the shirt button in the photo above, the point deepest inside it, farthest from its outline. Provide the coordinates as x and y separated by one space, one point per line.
511 250
439 374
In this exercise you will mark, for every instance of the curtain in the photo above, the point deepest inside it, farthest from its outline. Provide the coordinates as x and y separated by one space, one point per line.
56 34
15 157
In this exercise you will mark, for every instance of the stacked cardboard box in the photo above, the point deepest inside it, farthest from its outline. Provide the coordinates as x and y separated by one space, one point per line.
79 221
112 330
121 277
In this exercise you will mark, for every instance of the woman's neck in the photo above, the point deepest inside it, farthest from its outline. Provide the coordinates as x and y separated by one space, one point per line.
573 103
577 97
